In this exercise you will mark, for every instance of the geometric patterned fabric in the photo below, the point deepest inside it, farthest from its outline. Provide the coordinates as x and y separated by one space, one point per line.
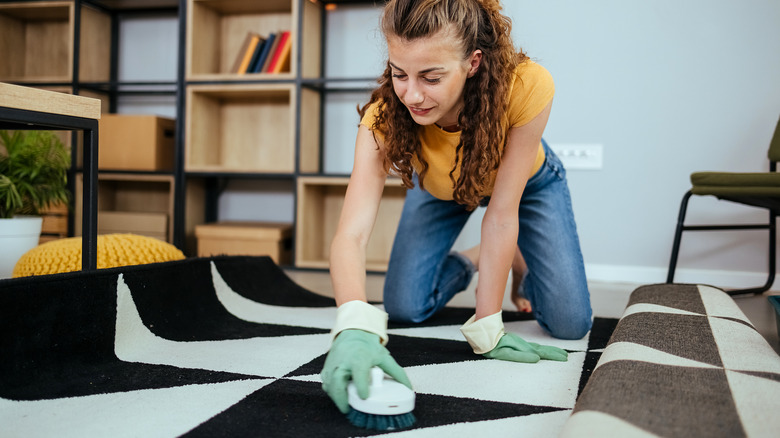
683 361
231 347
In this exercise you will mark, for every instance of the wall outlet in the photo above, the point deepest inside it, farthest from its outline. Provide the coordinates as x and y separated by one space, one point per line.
580 155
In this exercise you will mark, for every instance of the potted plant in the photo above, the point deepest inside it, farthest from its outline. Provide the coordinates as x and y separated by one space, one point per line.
33 175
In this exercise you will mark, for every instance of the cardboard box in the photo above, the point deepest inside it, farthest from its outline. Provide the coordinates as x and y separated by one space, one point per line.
144 224
130 142
55 221
246 238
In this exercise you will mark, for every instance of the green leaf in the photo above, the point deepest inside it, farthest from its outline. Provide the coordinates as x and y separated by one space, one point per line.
33 171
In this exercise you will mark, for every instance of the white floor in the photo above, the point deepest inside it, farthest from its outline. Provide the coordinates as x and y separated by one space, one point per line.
608 299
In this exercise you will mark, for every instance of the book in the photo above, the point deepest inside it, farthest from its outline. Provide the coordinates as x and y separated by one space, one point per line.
256 56
283 65
262 59
270 53
248 53
285 44
241 52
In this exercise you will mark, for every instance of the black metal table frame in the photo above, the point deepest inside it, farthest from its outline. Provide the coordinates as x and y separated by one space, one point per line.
14 118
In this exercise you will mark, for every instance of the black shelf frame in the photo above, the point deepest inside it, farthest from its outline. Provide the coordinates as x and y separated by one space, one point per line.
214 182
19 119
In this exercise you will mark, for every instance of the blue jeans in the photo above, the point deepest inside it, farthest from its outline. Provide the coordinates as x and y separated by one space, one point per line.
424 274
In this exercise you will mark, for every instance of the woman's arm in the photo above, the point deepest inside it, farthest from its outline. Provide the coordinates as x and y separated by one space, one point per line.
358 215
500 224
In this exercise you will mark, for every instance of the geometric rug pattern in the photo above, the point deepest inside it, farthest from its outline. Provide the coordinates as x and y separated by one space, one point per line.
229 346
683 361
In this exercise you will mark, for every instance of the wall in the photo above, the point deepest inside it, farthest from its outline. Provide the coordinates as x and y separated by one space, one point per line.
148 47
667 87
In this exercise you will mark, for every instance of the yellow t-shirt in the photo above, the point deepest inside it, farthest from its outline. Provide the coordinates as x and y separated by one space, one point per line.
532 89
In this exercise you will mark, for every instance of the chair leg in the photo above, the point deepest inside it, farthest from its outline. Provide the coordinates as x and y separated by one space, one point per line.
678 237
772 261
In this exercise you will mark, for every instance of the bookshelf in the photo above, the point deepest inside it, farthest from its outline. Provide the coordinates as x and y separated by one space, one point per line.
139 203
41 40
264 127
216 30
268 127
320 199
71 46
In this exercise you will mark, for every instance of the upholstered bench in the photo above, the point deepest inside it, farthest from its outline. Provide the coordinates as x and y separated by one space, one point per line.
683 361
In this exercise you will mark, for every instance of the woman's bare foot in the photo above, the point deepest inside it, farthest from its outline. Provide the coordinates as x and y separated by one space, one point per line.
518 272
521 302
519 269
473 255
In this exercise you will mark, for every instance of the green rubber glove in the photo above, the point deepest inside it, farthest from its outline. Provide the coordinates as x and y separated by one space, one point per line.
351 357
514 348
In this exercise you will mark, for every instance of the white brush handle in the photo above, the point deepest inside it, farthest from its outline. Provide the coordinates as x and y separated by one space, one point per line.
377 377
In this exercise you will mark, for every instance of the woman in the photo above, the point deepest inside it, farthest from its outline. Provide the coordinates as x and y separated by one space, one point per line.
458 116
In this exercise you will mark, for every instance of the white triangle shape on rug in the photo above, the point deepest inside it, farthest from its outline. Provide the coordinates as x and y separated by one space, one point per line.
267 357
530 331
148 413
446 332
546 383
248 310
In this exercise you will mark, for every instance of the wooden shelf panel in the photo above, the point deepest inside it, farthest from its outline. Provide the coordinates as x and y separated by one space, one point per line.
240 128
216 30
148 197
36 40
320 200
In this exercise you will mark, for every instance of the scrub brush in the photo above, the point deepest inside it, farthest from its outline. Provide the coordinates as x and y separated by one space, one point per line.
388 407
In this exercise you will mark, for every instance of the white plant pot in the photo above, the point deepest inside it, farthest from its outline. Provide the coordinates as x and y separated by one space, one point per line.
17 236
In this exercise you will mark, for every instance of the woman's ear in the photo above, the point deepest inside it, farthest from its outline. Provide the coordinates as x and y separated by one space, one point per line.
474 62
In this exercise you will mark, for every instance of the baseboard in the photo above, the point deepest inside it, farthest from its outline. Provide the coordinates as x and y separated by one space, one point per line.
650 275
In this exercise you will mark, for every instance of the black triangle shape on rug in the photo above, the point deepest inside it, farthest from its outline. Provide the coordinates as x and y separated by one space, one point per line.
457 316
275 289
409 351
179 303
71 380
601 332
289 408
57 340
415 351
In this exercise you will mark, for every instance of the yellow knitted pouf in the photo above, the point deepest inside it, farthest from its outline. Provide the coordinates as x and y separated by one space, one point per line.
64 255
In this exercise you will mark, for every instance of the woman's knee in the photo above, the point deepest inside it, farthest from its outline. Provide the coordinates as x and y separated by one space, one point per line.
405 312
572 328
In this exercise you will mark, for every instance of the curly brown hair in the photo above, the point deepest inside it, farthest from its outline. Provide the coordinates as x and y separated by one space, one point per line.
477 24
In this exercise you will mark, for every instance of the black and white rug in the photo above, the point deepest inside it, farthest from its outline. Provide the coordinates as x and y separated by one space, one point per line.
231 347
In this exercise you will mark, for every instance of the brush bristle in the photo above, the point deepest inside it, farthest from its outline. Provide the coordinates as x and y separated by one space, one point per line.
380 422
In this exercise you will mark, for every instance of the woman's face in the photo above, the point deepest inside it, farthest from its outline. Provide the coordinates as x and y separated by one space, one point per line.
429 75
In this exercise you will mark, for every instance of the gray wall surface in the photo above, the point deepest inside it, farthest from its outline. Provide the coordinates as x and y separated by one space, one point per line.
667 87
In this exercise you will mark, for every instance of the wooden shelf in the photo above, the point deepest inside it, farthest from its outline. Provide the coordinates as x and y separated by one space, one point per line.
253 126
240 128
145 198
320 200
36 40
216 30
